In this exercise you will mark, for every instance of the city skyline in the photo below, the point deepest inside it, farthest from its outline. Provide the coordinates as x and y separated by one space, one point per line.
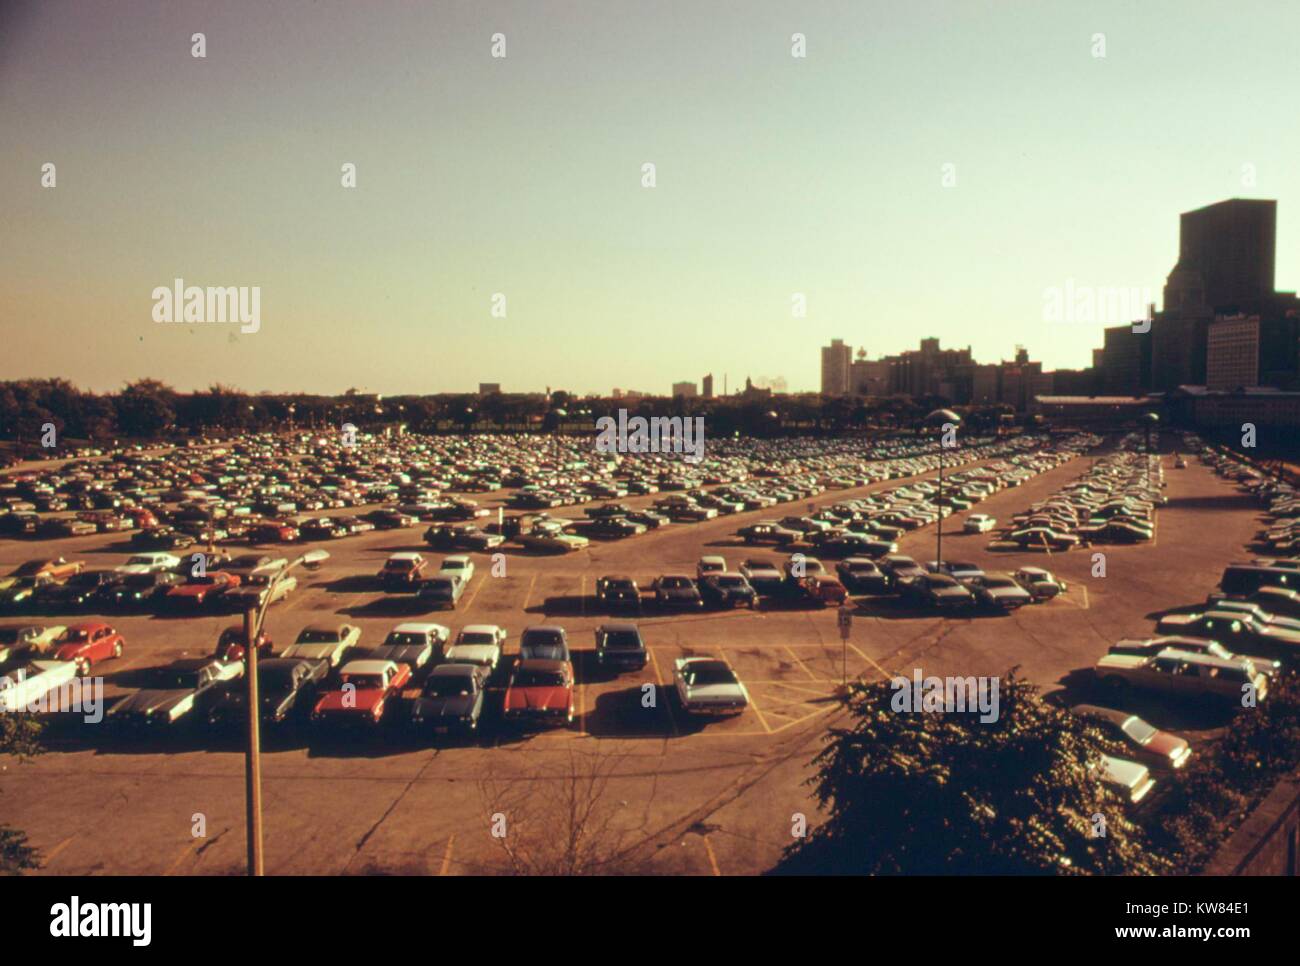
523 176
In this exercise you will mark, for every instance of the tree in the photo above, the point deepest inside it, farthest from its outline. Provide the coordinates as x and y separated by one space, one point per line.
19 738
943 793
561 820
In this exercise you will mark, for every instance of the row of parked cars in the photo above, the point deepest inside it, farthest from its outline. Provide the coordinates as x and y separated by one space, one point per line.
1114 501
419 677
1225 651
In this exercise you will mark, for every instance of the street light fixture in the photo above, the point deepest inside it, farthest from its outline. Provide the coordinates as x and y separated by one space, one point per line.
253 619
941 418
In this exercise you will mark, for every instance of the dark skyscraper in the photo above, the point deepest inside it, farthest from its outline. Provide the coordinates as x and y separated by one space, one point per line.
1233 246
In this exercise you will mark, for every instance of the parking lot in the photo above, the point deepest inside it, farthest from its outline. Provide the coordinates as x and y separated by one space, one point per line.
698 798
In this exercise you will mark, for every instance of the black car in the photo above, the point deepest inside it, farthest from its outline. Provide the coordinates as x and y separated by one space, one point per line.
727 590
161 538
618 592
286 689
677 591
862 576
451 701
136 590
77 592
620 646
614 528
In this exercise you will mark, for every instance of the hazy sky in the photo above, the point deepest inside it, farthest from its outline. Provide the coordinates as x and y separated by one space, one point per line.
775 175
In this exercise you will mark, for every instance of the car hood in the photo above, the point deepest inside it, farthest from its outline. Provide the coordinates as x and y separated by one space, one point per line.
401 653
1166 745
456 706
361 701
153 701
549 698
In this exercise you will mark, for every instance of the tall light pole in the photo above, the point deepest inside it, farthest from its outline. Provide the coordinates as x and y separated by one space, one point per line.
253 618
945 420
560 415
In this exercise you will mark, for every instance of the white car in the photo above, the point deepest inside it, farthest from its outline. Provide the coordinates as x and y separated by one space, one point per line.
21 688
16 639
1129 780
412 644
477 644
459 565
708 685
324 643
979 523
149 563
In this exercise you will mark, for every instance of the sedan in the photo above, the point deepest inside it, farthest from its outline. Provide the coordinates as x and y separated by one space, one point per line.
451 699
708 686
540 692
324 643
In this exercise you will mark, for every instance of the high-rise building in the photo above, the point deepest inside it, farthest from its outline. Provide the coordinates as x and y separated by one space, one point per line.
488 388
708 386
837 360
686 390
1233 245
1232 353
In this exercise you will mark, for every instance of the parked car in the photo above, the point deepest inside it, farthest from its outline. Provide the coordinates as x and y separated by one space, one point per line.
824 590
939 591
979 523
621 647
363 695
412 644
763 575
24 687
477 644
1182 674
998 592
440 591
617 592
1153 747
459 565
402 572
721 589
1041 584
547 642
89 643
1127 780
148 563
540 692
862 576
451 700
27 640
177 694
677 591
711 564
199 591
324 643
137 590
233 643
708 686
286 688
1237 631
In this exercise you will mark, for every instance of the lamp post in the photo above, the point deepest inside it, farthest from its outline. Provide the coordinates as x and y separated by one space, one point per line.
942 418
560 415
1149 421
253 618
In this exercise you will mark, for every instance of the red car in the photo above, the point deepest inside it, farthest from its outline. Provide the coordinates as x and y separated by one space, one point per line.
826 590
362 696
87 644
142 516
540 692
230 646
273 531
198 591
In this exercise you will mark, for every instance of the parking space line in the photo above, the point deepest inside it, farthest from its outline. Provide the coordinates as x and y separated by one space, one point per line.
470 603
49 856
761 720
659 683
713 859
883 673
529 596
797 660
185 853
446 856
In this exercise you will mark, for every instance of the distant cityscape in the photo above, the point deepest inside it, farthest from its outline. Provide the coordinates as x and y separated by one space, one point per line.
1225 344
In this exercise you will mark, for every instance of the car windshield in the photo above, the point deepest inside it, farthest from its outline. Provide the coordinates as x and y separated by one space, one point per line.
1139 730
364 682
999 582
624 640
709 674
318 637
139 580
186 680
476 637
731 581
448 685
438 585
404 639
676 583
539 679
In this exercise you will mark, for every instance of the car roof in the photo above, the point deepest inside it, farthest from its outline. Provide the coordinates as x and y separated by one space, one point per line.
615 627
367 667
480 628
418 628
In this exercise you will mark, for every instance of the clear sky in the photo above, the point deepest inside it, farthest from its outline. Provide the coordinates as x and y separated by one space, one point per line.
776 175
